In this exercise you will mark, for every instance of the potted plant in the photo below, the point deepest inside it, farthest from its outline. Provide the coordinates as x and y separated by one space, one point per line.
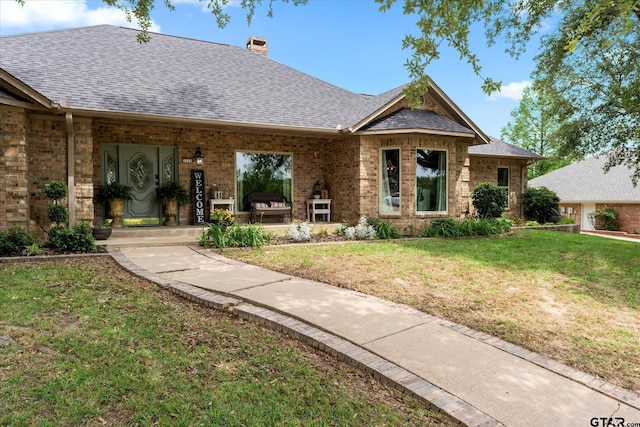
317 190
114 195
172 195
101 232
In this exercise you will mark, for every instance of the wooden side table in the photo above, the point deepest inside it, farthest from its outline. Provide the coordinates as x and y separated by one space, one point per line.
228 203
318 207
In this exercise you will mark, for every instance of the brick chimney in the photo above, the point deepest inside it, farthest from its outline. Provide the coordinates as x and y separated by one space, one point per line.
258 46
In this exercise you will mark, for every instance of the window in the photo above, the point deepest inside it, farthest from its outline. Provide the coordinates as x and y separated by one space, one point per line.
503 181
390 182
264 173
431 180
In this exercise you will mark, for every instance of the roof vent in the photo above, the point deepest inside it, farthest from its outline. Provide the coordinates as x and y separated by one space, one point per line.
258 46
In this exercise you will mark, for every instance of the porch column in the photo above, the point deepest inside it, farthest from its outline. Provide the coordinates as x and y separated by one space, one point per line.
71 166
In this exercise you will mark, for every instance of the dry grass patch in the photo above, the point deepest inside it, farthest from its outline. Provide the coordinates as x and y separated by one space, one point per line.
570 297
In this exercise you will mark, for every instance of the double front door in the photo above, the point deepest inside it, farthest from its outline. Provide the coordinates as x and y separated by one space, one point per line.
143 167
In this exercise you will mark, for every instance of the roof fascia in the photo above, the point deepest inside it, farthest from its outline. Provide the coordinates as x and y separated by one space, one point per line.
199 122
456 111
26 90
417 130
374 115
507 156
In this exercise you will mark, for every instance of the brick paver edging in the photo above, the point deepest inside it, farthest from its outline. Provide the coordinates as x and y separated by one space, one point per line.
383 370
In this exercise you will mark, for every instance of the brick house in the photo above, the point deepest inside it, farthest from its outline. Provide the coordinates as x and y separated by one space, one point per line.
584 187
90 105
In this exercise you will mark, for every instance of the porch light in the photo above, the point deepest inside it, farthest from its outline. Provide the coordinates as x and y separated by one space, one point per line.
199 157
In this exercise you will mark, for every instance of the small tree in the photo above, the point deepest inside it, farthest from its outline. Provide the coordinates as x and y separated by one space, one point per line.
56 191
489 200
605 218
541 205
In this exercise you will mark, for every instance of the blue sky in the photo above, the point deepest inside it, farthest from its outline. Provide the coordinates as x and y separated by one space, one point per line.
348 43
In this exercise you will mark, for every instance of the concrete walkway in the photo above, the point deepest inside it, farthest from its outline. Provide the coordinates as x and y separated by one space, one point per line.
474 377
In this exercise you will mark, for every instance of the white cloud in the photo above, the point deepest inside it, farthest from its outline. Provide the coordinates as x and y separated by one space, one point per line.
39 15
512 90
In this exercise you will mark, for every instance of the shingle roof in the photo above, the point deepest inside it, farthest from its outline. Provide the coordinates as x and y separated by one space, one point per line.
500 148
406 119
104 68
586 181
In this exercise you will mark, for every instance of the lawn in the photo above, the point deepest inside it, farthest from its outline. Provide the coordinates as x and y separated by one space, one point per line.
85 343
573 298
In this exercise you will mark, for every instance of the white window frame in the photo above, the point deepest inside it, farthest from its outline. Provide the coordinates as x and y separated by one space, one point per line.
382 168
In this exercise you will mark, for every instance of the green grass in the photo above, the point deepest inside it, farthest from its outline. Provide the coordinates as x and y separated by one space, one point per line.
97 346
571 297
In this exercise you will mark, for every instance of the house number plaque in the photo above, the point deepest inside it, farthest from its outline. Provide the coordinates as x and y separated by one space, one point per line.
197 191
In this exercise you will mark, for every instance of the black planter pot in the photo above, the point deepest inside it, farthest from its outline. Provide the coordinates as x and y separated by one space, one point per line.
101 233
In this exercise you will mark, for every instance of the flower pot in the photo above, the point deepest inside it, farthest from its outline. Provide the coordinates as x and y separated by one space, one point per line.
170 212
101 233
116 210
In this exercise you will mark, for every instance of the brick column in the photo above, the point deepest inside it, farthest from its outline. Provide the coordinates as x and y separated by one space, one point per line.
14 191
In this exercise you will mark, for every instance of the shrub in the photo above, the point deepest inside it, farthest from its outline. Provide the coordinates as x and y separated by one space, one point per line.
300 232
58 214
363 230
56 190
567 220
444 227
15 240
605 218
541 205
247 236
76 239
384 229
531 223
489 200
253 236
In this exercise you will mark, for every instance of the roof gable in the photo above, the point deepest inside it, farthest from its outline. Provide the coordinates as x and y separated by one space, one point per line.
407 120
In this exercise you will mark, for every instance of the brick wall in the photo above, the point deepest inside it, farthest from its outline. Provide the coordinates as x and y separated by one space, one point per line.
628 215
458 178
485 169
14 194
576 213
311 157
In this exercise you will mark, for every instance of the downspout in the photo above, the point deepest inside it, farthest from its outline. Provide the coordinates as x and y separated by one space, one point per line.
71 163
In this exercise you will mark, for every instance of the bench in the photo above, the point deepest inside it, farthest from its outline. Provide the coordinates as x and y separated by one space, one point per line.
266 204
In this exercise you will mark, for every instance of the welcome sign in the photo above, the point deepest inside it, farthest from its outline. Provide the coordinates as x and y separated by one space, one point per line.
197 190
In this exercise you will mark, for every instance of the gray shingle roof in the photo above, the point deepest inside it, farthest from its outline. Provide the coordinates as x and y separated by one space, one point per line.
405 119
500 148
104 68
586 181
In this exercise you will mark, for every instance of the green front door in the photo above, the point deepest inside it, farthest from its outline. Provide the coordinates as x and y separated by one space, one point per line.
142 167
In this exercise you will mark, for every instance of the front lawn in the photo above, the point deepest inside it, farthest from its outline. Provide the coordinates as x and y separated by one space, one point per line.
84 343
573 298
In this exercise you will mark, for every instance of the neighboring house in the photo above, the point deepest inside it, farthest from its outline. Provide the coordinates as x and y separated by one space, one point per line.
584 187
91 105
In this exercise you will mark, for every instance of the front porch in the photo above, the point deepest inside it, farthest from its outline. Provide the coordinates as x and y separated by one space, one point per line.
188 234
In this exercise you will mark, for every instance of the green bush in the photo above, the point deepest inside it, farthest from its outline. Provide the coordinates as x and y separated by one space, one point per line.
56 190
58 214
76 239
240 236
489 200
541 205
532 223
384 229
449 228
605 218
15 240
567 220
445 227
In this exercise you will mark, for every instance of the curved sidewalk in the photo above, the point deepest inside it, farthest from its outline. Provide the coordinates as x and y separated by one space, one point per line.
474 377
